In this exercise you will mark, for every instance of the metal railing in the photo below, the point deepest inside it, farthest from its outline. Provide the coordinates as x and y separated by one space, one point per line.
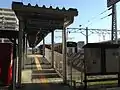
75 66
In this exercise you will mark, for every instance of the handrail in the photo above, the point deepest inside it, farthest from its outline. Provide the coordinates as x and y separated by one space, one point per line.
74 63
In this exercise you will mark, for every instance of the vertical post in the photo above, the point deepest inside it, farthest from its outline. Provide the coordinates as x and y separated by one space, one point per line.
26 46
85 81
119 70
86 35
32 50
23 53
71 72
14 64
114 32
114 25
43 47
20 50
64 47
52 37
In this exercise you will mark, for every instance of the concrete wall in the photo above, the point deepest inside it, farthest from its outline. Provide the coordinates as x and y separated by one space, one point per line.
48 54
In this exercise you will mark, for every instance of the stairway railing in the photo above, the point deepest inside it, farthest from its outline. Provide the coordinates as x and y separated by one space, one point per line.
75 68
74 65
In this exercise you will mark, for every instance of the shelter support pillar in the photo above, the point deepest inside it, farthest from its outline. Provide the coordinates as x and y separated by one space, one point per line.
23 53
64 47
43 47
20 50
52 38
14 64
25 46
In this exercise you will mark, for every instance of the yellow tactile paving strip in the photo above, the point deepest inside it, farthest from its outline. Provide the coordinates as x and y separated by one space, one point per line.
39 68
34 55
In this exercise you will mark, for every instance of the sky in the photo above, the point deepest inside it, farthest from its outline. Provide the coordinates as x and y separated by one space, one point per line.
89 10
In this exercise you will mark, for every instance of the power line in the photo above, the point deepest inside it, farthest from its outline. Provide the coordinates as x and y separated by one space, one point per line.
106 16
91 31
91 20
100 19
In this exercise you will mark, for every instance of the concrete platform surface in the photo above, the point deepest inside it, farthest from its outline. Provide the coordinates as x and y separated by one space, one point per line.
49 86
26 76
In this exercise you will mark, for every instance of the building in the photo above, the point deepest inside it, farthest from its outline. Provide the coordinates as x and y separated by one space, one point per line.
8 21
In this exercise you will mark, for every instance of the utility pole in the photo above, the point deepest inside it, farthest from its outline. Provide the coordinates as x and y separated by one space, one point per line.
114 25
86 35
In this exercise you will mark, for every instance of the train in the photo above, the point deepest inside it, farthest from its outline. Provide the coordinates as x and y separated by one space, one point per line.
72 47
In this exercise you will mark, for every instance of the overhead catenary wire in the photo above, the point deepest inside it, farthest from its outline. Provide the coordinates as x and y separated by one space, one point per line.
89 22
106 16
99 19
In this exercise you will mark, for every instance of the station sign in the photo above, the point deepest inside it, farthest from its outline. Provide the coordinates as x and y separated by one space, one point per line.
111 2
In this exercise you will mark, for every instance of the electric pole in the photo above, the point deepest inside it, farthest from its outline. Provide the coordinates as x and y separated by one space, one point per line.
86 35
114 25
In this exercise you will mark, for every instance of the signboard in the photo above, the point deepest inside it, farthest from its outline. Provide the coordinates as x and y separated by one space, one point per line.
111 2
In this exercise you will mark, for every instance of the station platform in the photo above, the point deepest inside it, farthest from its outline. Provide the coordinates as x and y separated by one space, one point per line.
38 70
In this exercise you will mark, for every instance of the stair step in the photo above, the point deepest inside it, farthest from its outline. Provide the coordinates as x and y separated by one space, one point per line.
44 71
45 86
34 67
45 75
48 80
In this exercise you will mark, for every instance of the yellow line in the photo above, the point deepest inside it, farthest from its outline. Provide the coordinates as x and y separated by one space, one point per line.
40 68
37 63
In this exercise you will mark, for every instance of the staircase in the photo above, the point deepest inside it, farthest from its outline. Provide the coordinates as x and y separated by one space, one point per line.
43 73
46 75
77 60
43 76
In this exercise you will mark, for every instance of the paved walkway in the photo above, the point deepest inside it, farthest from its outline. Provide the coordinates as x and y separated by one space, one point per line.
38 70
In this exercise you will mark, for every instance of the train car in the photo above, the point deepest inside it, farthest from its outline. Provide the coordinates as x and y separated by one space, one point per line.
6 61
71 47
41 48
